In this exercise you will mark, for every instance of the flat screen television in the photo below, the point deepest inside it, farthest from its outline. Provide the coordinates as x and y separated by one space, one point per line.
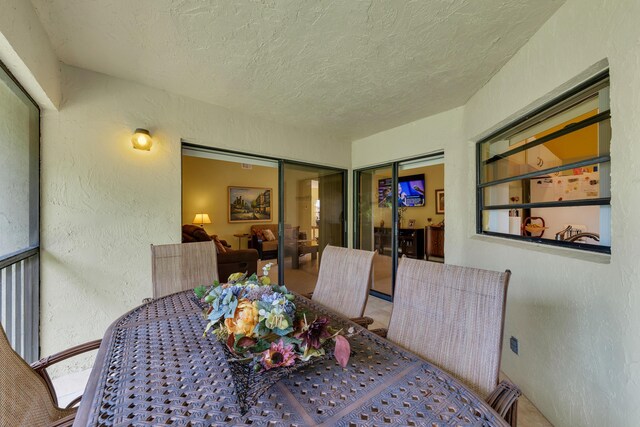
410 191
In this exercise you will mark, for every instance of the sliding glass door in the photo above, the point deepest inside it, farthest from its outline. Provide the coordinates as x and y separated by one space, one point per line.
400 213
314 217
286 211
375 218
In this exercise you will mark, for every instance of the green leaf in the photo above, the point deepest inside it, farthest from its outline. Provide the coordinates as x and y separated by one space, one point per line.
261 346
291 341
201 291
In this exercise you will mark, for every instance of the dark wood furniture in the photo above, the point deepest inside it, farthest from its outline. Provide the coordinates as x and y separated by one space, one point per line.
382 239
231 261
155 368
308 247
435 241
410 242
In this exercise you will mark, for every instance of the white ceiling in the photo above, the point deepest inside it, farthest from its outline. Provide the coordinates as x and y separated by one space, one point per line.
350 67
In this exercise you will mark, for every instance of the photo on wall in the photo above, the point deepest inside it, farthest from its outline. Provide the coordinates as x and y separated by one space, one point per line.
440 201
249 204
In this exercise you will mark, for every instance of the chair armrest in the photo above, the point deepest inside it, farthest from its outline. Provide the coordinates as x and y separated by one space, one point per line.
362 321
41 365
381 332
504 400
45 362
63 422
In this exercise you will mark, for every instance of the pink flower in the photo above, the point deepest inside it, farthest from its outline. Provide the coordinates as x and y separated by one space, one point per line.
277 355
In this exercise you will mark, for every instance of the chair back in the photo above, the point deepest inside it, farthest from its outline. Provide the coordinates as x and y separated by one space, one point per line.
453 317
25 397
180 267
343 280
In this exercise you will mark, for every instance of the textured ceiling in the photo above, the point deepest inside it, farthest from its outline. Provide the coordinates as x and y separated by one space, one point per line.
349 67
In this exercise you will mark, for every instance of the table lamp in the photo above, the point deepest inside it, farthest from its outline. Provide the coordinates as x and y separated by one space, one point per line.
202 219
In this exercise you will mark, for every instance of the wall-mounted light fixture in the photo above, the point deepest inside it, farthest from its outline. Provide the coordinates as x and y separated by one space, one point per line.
141 140
202 219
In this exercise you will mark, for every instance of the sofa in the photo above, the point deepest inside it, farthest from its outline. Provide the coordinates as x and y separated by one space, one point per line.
229 260
268 249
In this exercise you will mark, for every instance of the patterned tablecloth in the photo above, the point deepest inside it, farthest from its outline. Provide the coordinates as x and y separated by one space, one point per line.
155 368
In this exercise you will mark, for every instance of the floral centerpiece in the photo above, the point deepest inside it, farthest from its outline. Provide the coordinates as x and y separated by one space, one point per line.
265 336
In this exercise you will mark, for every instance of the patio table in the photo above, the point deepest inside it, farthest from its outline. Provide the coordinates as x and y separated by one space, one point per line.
155 368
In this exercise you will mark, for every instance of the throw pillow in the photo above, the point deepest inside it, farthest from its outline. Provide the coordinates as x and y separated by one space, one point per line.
219 246
268 234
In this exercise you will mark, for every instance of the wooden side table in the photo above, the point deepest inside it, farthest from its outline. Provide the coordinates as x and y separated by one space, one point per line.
240 237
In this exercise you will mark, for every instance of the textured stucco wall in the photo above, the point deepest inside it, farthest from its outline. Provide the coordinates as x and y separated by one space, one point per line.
576 316
103 203
26 51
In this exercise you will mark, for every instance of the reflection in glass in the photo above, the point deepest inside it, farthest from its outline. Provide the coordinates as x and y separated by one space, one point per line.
375 204
313 219
19 169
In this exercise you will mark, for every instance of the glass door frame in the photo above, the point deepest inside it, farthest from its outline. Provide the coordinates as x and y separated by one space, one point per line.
281 165
395 168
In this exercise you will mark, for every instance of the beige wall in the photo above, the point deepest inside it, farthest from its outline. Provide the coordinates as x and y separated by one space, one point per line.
434 180
205 185
104 203
576 315
26 51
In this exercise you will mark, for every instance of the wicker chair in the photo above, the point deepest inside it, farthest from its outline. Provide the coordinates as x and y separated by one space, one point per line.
454 317
26 392
181 267
343 282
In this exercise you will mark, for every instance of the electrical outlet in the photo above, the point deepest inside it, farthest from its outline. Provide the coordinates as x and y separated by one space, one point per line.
513 343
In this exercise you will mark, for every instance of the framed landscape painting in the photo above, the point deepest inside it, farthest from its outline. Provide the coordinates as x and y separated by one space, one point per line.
249 204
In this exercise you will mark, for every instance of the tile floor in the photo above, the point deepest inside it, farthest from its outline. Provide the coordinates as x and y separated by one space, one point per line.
71 386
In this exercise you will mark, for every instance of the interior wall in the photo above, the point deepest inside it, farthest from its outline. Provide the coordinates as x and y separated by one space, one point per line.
434 180
576 315
103 203
205 185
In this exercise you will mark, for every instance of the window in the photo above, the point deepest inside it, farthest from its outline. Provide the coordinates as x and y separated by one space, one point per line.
546 177
19 216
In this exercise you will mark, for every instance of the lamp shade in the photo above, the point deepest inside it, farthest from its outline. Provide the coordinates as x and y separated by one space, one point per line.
201 218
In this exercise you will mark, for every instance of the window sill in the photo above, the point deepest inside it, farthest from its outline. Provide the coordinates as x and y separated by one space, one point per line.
547 249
